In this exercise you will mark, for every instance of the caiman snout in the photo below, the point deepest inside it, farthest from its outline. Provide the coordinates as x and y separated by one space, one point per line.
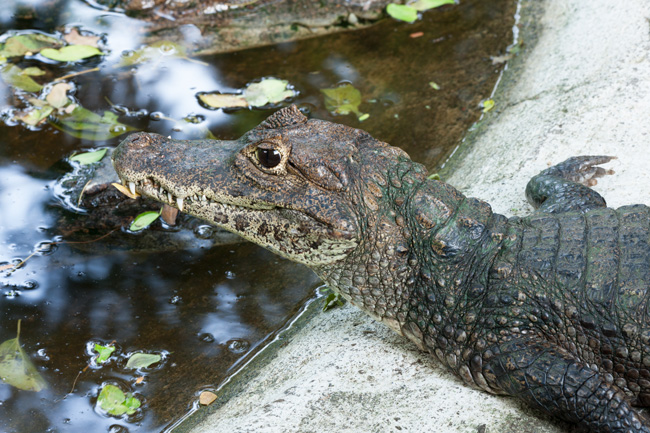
138 140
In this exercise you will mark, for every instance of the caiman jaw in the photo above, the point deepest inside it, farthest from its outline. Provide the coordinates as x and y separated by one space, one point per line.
154 189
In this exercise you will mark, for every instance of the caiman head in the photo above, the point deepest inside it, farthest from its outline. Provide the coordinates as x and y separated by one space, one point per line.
298 187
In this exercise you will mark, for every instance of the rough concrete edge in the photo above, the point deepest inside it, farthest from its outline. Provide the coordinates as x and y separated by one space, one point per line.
530 26
236 383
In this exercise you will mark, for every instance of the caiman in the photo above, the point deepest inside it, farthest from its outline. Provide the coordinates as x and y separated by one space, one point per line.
550 308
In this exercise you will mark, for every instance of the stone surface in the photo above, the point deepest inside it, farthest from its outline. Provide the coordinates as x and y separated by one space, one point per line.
579 87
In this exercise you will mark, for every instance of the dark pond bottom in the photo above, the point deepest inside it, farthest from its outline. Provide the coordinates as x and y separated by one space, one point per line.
204 310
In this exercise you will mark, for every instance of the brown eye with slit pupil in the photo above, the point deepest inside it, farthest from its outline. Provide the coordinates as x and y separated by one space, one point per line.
268 158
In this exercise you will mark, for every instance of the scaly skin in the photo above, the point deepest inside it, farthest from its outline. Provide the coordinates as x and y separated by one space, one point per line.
550 308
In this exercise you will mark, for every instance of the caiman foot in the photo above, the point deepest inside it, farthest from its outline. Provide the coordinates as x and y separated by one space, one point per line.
565 187
581 169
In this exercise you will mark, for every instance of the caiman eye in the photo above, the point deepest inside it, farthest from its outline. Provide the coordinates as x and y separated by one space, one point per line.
268 158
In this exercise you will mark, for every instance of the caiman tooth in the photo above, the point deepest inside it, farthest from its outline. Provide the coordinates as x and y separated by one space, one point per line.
179 203
204 198
169 214
132 187
170 197
161 191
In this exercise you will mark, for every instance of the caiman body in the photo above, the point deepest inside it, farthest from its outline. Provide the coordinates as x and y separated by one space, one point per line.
551 308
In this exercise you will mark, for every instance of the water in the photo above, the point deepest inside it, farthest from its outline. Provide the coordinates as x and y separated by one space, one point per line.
203 309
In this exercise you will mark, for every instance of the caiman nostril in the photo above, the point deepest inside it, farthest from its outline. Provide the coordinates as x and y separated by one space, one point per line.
139 140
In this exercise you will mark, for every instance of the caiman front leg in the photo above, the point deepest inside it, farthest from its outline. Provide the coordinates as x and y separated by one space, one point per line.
551 379
565 186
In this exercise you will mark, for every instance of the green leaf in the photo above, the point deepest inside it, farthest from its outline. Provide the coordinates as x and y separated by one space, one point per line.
424 5
333 300
223 100
434 85
143 220
83 123
71 53
31 43
344 99
89 157
142 360
267 91
153 52
112 400
132 403
33 71
402 12
13 76
35 115
104 353
16 369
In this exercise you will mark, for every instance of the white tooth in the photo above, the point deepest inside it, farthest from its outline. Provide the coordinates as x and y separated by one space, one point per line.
161 191
170 197
179 203
132 187
123 182
204 198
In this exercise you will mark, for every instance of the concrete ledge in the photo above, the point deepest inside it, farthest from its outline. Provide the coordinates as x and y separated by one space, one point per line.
581 86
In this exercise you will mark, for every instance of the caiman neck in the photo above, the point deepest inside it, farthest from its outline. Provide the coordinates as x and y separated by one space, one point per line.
419 255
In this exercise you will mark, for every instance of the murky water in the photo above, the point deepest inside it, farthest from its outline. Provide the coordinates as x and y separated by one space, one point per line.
202 309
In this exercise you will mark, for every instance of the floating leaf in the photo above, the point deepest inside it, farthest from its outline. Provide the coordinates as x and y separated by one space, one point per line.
25 44
487 105
35 115
142 360
83 123
143 220
37 102
58 96
153 52
343 99
16 369
71 53
33 71
222 100
113 400
73 37
89 157
104 353
267 91
434 85
402 12
124 190
424 5
132 403
13 76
